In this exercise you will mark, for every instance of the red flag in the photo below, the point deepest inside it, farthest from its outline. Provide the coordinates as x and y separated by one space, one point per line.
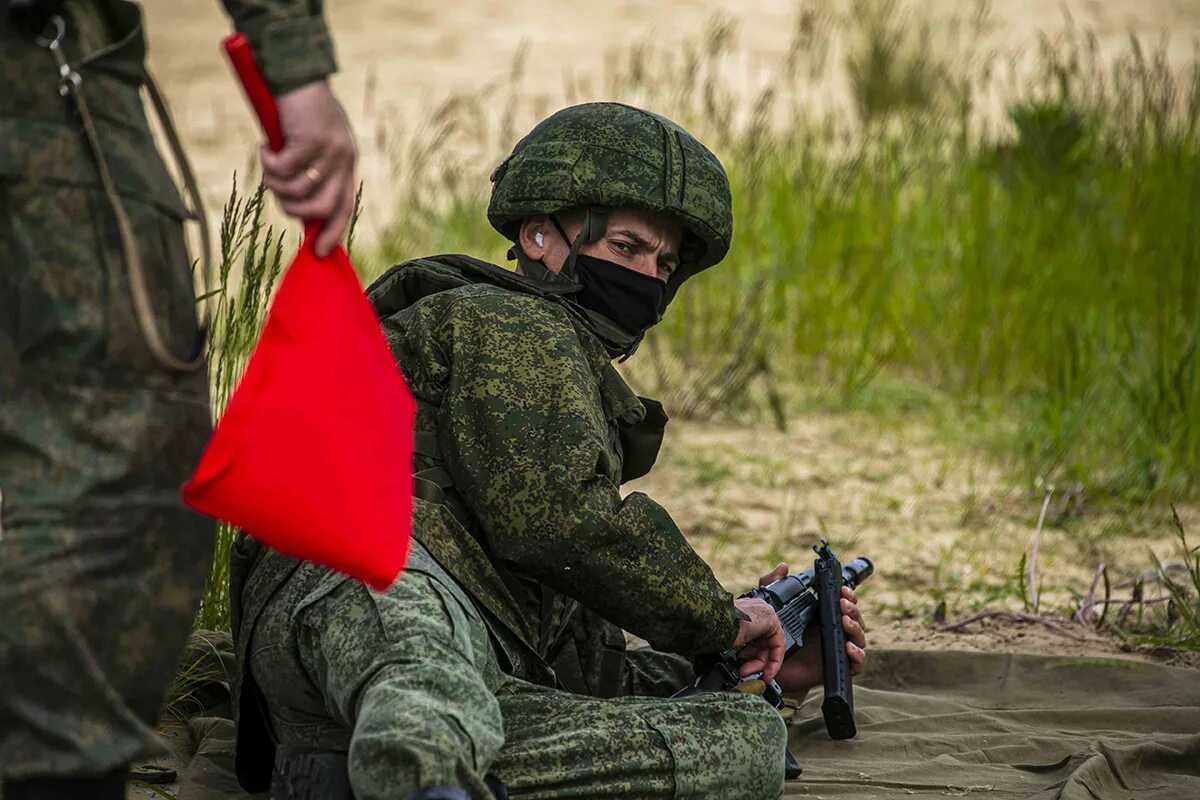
313 455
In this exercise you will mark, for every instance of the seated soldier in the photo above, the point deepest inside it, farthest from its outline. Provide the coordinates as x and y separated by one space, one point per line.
499 657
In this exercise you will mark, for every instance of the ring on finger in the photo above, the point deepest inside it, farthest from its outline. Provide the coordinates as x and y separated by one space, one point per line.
313 174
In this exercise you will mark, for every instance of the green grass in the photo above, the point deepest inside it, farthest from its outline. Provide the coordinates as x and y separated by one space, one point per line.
251 262
1174 618
1042 263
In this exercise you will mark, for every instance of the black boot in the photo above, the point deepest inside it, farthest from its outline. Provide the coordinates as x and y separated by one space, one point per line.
106 787
440 793
499 790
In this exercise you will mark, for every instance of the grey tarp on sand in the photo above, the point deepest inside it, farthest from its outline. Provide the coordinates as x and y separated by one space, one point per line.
944 724
999 726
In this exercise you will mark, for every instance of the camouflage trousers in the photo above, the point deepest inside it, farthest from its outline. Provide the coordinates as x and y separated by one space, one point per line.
562 745
101 566
408 682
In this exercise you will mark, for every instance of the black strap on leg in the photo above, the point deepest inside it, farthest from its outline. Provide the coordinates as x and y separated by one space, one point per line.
33 15
304 773
440 793
499 790
106 787
791 767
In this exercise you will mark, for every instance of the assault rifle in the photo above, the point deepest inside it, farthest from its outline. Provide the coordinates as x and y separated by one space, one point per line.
800 600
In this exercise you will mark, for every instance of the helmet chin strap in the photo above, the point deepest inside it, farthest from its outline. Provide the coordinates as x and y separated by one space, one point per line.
536 270
595 223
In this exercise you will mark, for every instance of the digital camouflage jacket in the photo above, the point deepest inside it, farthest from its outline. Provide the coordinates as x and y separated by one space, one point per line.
529 431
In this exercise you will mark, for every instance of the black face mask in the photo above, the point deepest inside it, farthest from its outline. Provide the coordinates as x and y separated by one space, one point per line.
633 301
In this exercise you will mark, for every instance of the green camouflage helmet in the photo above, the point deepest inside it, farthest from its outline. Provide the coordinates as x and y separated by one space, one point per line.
612 155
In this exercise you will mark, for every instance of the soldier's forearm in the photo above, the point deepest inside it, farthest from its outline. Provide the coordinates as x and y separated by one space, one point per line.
290 39
631 565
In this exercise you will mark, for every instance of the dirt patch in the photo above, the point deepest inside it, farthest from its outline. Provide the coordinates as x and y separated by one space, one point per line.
994 636
944 526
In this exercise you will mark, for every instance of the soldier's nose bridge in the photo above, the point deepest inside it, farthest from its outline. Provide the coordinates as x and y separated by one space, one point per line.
647 264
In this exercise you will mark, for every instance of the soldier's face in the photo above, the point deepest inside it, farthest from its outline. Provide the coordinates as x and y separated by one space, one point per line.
636 240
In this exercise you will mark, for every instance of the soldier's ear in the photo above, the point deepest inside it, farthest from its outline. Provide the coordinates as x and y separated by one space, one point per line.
532 237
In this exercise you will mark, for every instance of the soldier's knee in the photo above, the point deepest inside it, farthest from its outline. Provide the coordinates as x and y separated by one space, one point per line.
726 745
760 735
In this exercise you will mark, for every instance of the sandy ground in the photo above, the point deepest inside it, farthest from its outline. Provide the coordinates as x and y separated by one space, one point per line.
943 526
401 58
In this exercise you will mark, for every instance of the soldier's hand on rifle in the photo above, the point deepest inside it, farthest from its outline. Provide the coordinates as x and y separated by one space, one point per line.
313 175
760 641
803 670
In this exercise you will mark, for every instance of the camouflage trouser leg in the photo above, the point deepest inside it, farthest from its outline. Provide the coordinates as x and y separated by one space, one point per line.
101 566
560 745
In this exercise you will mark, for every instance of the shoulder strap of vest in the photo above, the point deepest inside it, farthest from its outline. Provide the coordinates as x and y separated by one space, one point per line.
405 284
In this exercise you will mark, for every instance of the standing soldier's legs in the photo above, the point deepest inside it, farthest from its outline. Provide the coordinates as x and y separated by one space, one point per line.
101 566
562 745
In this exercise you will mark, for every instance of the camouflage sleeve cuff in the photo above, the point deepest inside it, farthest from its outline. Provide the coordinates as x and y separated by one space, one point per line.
735 622
293 52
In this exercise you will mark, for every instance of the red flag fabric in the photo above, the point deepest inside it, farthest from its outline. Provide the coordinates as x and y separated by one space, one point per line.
313 455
